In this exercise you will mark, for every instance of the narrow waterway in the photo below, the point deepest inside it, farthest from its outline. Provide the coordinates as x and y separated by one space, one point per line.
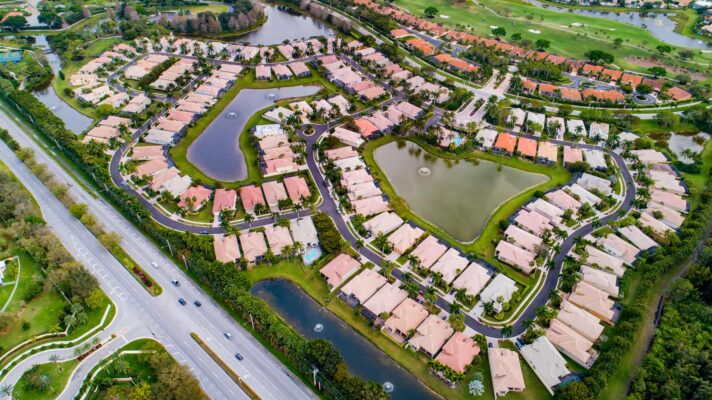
659 24
73 119
216 152
362 357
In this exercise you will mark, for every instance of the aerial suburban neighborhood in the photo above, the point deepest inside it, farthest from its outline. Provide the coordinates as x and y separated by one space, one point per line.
355 199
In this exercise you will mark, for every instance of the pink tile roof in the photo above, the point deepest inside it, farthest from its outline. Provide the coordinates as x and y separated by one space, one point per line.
533 222
253 245
339 269
505 370
563 200
386 299
364 285
278 237
404 238
506 142
572 155
297 188
408 315
355 177
251 195
548 151
226 249
515 256
365 127
341 153
458 352
146 152
198 194
224 199
369 206
151 167
431 335
473 279
593 300
580 320
274 192
428 251
570 342
527 147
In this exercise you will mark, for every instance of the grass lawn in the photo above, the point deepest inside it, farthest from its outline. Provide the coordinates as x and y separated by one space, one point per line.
138 369
58 374
179 152
308 278
482 246
517 16
535 390
69 67
214 8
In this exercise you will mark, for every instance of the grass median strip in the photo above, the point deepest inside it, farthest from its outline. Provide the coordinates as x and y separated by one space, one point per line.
248 390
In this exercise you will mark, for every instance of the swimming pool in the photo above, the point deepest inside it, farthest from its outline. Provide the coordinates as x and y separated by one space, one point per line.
457 140
312 254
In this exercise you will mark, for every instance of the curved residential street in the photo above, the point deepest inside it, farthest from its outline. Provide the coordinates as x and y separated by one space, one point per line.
330 207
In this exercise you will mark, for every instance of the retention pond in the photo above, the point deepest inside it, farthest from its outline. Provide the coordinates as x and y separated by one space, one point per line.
216 152
457 196
364 359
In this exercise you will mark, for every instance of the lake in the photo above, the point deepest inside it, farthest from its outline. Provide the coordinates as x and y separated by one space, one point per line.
678 143
457 196
216 152
362 357
281 25
73 119
659 24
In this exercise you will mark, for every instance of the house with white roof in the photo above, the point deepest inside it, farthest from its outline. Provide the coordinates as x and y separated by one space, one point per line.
546 362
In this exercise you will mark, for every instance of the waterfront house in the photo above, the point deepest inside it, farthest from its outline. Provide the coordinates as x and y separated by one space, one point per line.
338 270
404 238
384 301
361 287
458 352
250 196
383 223
505 370
431 335
406 317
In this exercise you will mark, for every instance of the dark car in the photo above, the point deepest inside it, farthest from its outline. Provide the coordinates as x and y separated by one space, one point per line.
238 356
182 301
175 282
197 303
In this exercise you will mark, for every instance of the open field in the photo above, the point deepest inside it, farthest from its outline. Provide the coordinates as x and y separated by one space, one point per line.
516 16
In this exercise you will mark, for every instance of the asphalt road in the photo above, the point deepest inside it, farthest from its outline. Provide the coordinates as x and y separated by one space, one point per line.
259 369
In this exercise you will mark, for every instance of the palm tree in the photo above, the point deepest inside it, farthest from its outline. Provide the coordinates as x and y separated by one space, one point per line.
298 207
528 323
249 218
507 330
121 366
6 390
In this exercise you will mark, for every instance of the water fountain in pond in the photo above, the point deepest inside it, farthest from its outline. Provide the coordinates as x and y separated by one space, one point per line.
424 171
388 387
318 328
231 115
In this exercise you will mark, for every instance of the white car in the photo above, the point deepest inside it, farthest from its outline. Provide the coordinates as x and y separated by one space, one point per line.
154 264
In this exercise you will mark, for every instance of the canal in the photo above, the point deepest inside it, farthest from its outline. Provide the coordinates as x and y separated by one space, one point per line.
216 152
73 119
362 357
457 196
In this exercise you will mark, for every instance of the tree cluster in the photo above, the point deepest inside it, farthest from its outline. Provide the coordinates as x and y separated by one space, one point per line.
244 15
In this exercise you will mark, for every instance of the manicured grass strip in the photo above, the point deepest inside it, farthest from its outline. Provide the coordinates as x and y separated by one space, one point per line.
248 390
151 286
58 376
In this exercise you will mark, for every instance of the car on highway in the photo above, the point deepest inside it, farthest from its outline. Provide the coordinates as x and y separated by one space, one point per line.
182 301
238 356
197 303
203 232
175 282
228 335
154 264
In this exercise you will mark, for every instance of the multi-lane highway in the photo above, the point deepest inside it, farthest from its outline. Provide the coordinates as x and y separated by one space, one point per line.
166 320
